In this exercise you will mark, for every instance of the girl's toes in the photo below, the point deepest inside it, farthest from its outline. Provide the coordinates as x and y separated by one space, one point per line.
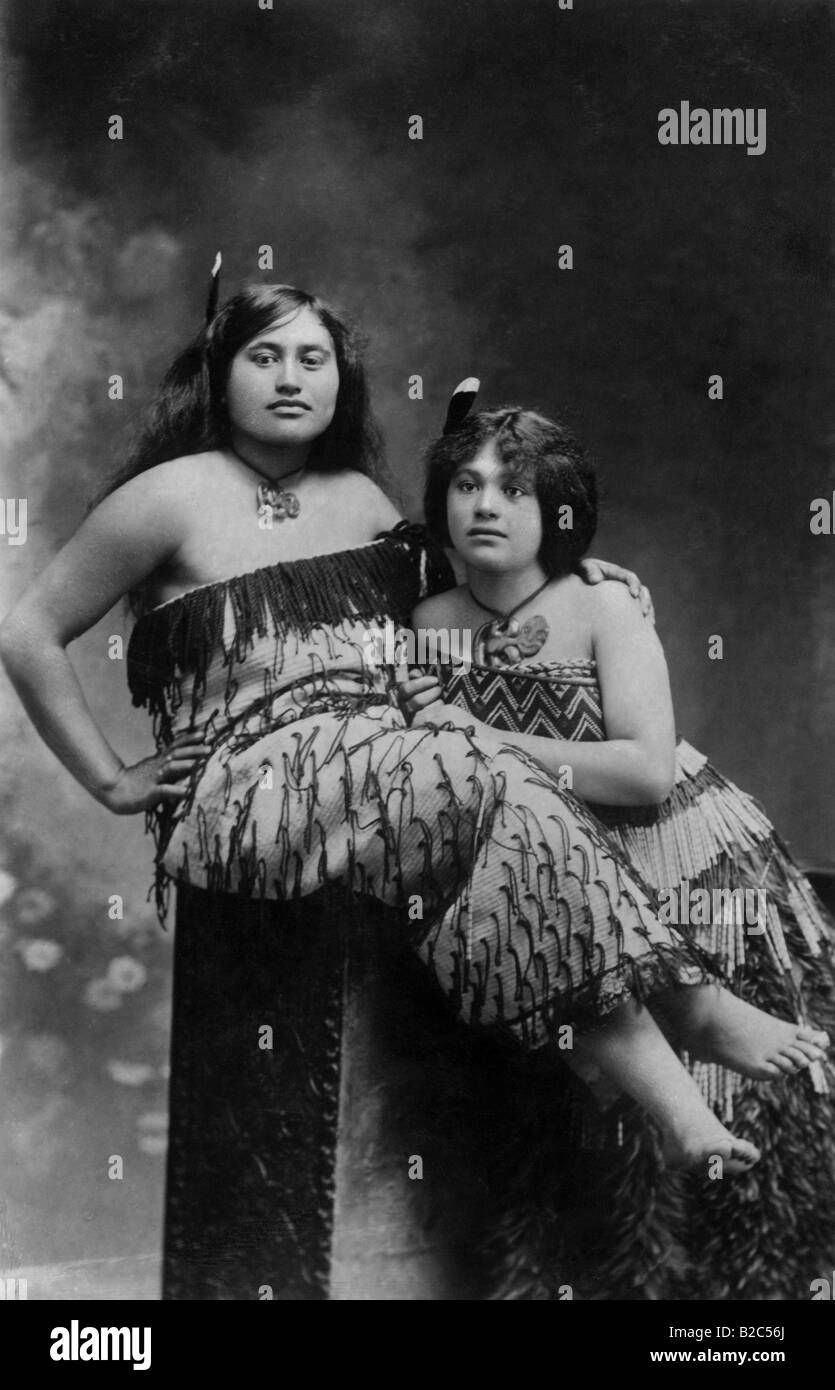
743 1152
816 1036
809 1050
770 1071
737 1155
784 1063
749 1153
800 1058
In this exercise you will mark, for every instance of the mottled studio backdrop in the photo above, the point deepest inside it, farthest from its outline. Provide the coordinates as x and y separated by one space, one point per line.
245 127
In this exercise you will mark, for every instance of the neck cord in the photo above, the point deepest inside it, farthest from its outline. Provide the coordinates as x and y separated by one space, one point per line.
497 612
273 482
272 498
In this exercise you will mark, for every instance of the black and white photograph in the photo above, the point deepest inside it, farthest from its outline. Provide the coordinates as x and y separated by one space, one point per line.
417 852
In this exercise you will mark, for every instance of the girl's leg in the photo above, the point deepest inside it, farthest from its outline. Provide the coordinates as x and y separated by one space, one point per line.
630 1050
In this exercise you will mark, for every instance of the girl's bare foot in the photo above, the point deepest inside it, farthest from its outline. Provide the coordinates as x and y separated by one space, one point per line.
713 1025
695 1150
631 1052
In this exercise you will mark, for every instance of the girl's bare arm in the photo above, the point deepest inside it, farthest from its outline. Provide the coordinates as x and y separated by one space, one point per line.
635 763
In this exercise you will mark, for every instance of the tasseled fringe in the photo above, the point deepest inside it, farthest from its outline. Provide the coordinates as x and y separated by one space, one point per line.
708 835
370 583
373 583
586 1006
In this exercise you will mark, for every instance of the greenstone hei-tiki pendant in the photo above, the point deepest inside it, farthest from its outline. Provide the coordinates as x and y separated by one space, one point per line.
282 503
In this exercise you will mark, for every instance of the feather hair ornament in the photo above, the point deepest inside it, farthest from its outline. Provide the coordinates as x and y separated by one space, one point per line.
460 404
214 289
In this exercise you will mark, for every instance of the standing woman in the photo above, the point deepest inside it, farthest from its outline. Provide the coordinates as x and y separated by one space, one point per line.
287 796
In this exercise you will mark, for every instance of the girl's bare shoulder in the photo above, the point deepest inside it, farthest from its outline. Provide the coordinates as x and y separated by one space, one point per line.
440 610
608 598
568 592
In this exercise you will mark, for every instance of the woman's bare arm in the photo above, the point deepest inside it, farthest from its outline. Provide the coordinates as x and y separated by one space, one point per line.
121 543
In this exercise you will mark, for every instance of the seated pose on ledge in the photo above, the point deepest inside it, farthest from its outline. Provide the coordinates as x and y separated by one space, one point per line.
259 552
257 548
573 676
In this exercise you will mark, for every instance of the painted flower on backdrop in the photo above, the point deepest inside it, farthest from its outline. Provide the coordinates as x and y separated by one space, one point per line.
46 1052
153 1144
152 1137
102 995
126 974
130 1073
38 953
7 886
34 905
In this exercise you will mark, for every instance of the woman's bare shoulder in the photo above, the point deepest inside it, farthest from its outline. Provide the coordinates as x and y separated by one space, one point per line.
166 481
350 480
346 487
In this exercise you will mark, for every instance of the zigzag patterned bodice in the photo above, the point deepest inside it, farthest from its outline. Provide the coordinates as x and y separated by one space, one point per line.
554 699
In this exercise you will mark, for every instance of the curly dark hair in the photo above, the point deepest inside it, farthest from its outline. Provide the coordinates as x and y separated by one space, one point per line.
544 450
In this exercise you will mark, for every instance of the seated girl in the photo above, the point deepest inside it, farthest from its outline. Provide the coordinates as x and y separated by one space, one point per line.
572 676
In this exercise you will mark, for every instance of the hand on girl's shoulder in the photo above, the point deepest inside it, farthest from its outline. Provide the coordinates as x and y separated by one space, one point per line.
609 601
617 624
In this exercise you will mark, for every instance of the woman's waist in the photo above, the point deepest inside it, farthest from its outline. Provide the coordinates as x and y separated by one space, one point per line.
253 712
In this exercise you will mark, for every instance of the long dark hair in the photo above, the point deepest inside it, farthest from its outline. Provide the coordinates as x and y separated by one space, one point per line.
543 449
189 414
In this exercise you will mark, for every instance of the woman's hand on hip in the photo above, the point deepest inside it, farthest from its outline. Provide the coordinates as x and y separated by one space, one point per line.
162 777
